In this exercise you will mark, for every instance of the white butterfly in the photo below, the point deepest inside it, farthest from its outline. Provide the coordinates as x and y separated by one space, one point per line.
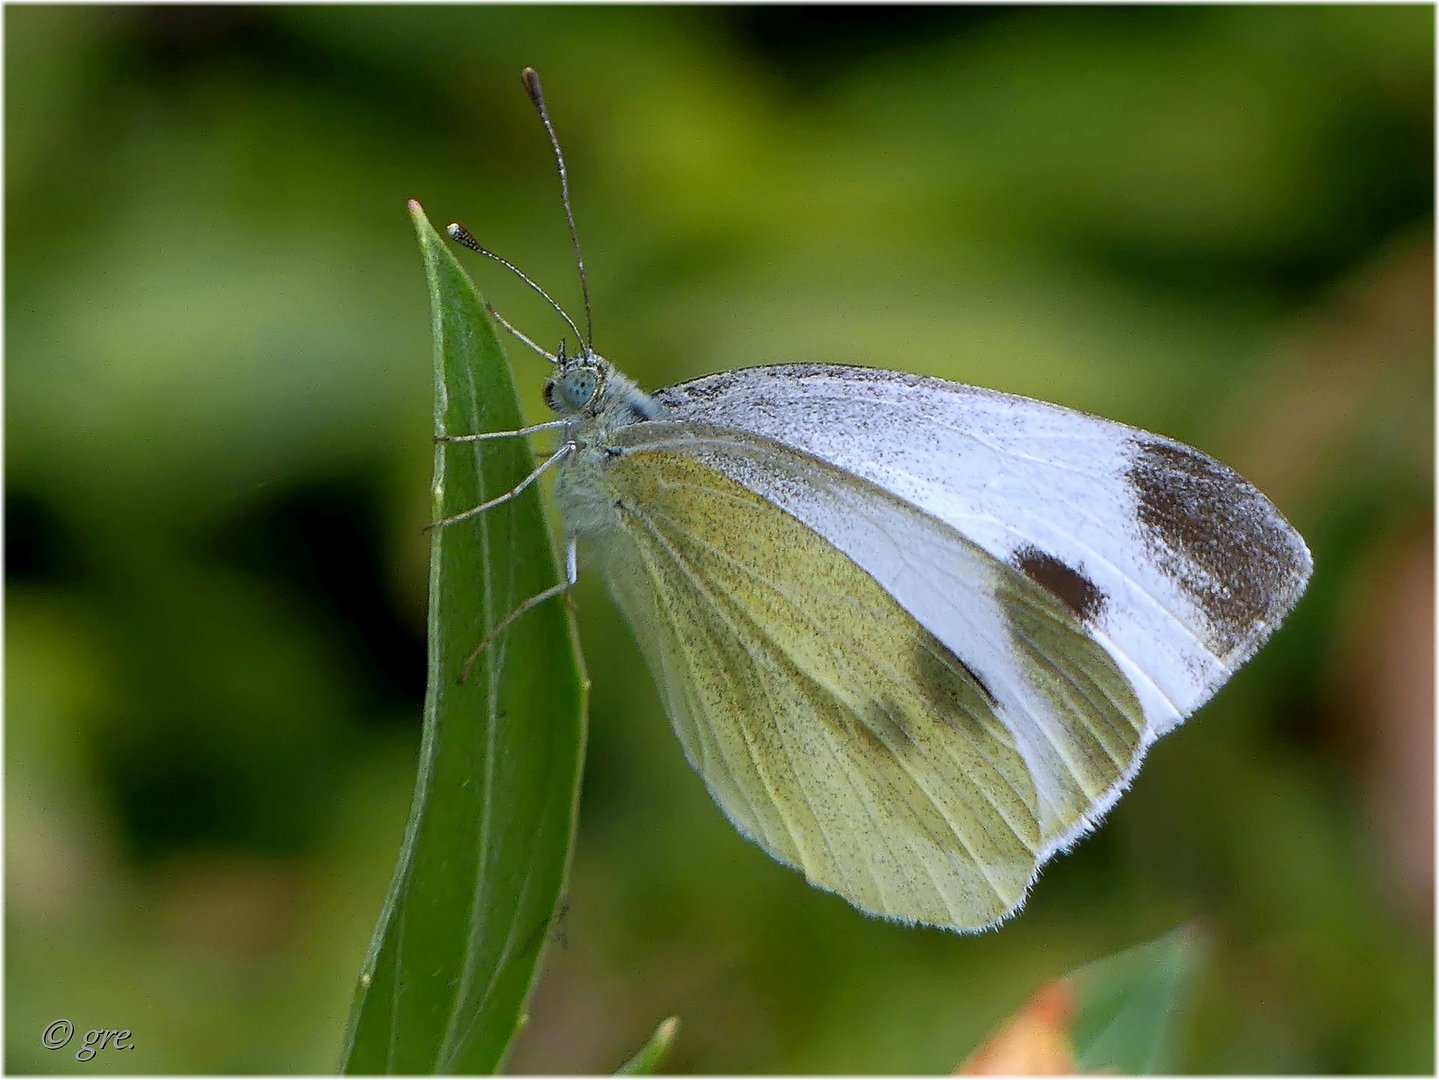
915 636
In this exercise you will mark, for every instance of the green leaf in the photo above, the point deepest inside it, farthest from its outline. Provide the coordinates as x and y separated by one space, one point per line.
650 1056
1129 1003
487 845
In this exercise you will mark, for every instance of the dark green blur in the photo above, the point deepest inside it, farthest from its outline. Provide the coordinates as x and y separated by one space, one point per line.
1216 223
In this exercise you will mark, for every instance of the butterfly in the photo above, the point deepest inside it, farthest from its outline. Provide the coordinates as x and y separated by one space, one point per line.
915 636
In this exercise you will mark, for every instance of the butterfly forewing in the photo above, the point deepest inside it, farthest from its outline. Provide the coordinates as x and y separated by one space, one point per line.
1175 563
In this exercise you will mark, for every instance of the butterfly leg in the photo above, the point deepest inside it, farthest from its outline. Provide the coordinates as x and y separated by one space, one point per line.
553 459
548 425
572 575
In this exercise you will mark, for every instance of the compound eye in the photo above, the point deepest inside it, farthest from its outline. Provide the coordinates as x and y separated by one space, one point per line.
578 386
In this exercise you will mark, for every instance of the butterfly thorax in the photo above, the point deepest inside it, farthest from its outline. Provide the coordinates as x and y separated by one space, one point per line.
598 400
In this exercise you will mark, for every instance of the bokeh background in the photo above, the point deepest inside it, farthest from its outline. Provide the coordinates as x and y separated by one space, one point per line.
1212 222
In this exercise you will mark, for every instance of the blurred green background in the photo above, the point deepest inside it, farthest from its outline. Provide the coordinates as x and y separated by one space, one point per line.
1212 222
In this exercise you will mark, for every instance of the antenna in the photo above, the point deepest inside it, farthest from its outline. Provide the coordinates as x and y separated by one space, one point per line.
461 235
551 357
532 84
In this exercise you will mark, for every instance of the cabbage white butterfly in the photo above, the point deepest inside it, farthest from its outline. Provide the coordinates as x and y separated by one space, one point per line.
915 636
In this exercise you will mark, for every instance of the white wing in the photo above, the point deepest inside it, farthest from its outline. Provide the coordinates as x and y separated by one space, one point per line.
1174 563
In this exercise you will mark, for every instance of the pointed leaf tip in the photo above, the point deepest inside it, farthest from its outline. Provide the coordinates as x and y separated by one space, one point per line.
1119 1014
648 1058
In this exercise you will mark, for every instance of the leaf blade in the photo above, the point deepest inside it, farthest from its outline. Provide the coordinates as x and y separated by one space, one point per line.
1116 1015
1129 1004
486 850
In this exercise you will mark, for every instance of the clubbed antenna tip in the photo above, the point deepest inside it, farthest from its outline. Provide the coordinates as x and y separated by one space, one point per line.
462 236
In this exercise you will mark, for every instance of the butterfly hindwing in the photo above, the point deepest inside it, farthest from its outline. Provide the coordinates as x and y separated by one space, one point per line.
832 725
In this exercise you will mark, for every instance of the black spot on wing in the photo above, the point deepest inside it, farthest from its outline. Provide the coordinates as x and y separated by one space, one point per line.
1075 591
1220 539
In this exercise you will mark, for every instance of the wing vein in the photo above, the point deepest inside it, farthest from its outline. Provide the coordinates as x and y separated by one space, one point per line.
796 666
700 589
879 660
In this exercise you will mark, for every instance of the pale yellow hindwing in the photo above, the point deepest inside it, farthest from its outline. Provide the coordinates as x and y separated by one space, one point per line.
831 727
